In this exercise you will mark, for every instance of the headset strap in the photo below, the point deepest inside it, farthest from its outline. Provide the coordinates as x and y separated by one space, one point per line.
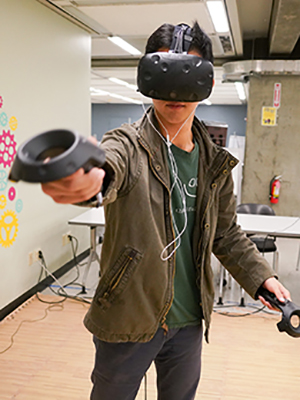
182 38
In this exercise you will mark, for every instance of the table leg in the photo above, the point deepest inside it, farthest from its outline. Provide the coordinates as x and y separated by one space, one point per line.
92 257
298 261
222 276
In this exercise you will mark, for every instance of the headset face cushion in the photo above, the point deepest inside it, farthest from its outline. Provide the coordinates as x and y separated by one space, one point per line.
175 77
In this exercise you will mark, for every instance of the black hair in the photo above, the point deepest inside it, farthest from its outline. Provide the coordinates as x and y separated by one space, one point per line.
162 39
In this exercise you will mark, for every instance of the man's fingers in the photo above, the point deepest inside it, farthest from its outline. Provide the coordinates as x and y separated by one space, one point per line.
266 303
93 140
274 286
75 188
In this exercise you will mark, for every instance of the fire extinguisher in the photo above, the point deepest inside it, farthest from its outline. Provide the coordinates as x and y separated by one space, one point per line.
275 189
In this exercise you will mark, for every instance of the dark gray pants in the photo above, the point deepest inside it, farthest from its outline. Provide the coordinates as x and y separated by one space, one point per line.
120 367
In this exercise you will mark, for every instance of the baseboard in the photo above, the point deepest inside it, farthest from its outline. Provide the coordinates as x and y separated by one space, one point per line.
4 312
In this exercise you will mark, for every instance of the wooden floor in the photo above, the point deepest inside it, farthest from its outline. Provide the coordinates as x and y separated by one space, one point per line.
52 358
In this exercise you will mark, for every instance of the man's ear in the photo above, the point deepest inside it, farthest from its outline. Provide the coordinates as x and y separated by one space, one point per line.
213 83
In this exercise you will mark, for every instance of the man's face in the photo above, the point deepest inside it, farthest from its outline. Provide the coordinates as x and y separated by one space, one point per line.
174 112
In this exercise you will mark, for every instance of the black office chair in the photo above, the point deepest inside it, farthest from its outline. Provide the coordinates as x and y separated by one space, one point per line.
263 244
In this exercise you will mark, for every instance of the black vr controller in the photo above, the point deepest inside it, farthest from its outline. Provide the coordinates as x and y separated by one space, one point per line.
53 155
289 311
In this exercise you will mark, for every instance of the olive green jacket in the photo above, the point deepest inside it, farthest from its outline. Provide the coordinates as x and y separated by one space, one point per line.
136 286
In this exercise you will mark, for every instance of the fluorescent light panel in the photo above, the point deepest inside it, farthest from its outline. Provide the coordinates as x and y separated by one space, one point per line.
241 91
123 83
128 99
218 15
124 45
99 92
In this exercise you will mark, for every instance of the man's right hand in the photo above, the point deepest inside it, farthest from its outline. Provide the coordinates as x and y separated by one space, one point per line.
75 188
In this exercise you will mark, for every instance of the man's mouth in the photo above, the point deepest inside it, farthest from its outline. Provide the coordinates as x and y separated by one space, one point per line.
175 106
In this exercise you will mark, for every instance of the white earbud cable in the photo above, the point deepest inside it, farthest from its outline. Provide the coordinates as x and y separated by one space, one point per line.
177 182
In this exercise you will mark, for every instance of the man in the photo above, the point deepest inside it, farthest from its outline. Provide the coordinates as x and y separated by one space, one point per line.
169 203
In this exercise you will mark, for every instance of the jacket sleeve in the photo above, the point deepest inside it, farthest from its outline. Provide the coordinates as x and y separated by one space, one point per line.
234 249
121 162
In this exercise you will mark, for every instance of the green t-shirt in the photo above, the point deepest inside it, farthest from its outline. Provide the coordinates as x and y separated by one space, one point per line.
185 309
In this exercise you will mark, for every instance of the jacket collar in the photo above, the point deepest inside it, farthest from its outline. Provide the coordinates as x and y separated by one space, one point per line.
149 132
215 159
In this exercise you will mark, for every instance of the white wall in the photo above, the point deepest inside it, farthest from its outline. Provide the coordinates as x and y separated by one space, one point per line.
44 83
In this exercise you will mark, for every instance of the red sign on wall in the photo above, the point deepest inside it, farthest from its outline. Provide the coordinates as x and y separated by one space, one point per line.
277 95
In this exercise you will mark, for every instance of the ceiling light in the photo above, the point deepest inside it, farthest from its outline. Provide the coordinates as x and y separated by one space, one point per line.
218 15
128 99
241 91
124 45
118 81
123 83
207 102
98 92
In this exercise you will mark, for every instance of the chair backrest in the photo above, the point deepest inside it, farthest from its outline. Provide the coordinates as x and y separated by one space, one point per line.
253 208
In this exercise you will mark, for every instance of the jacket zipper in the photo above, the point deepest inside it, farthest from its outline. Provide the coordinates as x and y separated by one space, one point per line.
210 195
202 220
168 303
118 277
208 203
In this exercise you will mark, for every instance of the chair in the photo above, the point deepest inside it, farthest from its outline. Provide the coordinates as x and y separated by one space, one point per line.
263 244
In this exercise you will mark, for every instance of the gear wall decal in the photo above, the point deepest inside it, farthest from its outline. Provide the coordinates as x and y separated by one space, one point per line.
3 201
3 180
12 193
19 205
9 224
7 148
3 119
8 228
13 123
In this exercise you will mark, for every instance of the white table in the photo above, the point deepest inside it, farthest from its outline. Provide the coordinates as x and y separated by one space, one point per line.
273 225
93 218
279 226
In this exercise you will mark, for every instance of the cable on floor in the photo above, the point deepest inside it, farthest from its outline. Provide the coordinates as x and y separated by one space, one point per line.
64 294
74 250
52 304
234 315
49 308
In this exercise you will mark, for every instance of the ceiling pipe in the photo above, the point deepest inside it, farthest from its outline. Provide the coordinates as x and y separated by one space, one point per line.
240 71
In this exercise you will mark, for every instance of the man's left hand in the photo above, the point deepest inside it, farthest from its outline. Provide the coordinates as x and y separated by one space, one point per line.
274 286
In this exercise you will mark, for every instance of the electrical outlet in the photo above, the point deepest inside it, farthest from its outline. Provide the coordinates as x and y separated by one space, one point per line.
33 257
65 238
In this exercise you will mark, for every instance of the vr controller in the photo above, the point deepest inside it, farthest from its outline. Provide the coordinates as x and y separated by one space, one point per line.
290 312
53 155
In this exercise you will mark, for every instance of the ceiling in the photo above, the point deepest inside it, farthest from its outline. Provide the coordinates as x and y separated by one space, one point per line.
258 29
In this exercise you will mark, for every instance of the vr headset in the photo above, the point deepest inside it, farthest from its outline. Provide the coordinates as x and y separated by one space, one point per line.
176 75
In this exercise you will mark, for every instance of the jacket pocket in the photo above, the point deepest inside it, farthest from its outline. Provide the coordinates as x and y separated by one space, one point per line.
116 278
